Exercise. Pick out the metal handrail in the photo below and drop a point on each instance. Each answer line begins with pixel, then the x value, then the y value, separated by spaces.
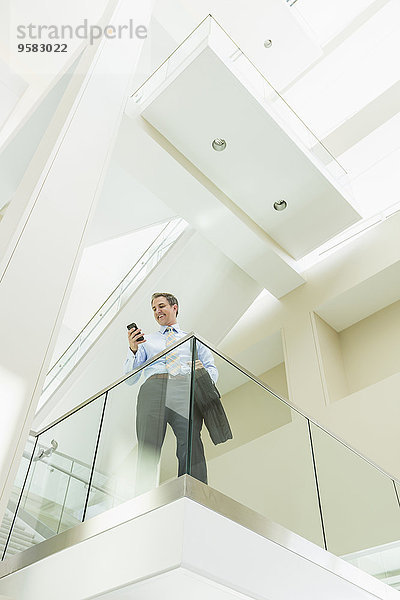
pixel 113 385
pixel 56 453
pixel 193 335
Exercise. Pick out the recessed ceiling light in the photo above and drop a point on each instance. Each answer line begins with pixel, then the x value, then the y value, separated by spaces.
pixel 280 205
pixel 218 144
pixel 267 43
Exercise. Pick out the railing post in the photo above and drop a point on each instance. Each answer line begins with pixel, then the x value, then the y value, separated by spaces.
pixel 191 407
pixel 65 496
pixel 317 485
pixel 94 458
pixel 396 492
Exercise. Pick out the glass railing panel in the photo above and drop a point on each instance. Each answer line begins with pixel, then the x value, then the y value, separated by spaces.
pixel 267 465
pixel 382 562
pixel 238 437
pixel 21 479
pixel 359 505
pixel 54 498
pixel 143 442
pixel 397 491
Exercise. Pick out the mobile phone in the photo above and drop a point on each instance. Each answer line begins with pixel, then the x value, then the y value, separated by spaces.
pixel 134 326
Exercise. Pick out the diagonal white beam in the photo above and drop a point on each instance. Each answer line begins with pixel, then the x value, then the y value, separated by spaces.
pixel 168 174
pixel 40 266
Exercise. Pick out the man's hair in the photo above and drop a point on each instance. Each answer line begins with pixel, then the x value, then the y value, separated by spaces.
pixel 170 298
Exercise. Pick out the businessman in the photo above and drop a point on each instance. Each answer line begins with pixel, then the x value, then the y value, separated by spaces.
pixel 164 396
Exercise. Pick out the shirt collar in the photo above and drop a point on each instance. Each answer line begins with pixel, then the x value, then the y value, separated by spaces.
pixel 175 328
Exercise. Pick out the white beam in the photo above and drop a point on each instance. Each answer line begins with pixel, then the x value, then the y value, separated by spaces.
pixel 167 173
pixel 36 277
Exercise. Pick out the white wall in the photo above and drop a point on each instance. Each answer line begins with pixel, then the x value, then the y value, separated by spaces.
pixel 370 348
pixel 273 475
pixel 360 371
pixel 325 369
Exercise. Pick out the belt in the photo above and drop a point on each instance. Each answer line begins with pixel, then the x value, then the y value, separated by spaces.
pixel 168 376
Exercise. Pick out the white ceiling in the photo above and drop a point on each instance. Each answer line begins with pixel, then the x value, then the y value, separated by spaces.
pixel 363 299
pixel 101 268
pixel 261 163
pixel 364 129
pixel 328 19
pixel 334 63
pixel 249 24
pixel 350 72
pixel 125 205
pixel 355 72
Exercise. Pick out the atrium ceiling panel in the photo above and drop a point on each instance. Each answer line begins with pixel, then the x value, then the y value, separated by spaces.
pixel 208 89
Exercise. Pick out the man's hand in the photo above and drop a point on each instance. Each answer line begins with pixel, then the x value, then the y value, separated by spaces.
pixel 197 365
pixel 133 335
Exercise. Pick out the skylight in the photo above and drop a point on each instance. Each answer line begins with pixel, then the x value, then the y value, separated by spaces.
pixel 352 75
pixel 327 19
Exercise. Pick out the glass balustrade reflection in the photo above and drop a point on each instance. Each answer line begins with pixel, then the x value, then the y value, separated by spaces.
pixel 267 465
pixel 252 447
pixel 21 479
pixel 53 498
pixel 359 505
pixel 143 442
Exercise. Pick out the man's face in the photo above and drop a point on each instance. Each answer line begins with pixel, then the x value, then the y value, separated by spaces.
pixel 164 313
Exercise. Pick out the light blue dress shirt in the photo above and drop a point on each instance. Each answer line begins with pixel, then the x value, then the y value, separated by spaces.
pixel 155 343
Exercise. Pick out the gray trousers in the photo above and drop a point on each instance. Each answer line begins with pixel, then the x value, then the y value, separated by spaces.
pixel 162 400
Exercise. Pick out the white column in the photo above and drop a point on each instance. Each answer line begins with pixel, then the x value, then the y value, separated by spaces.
pixel 306 382
pixel 39 267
